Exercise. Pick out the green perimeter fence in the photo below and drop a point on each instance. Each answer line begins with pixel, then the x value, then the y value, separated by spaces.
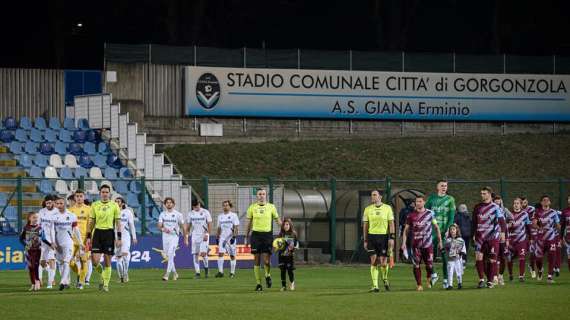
pixel 326 213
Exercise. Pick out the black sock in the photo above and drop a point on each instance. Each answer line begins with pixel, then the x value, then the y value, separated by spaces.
pixel 291 275
pixel 283 279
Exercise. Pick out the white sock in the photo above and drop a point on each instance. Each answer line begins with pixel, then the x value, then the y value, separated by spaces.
pixel 119 265
pixel 173 266
pixel 233 266
pixel 89 271
pixel 221 264
pixel 170 265
pixel 64 273
pixel 205 259
pixel 51 275
pixel 41 272
pixel 196 263
pixel 126 260
pixel 459 278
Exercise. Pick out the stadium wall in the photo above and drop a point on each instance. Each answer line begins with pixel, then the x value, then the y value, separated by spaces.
pixel 32 93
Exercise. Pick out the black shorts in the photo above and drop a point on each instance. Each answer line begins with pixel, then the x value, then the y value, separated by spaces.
pixel 286 262
pixel 261 242
pixel 377 245
pixel 103 241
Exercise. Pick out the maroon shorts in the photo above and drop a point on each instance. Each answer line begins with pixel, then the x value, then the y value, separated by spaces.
pixel 422 254
pixel 546 246
pixel 518 249
pixel 490 248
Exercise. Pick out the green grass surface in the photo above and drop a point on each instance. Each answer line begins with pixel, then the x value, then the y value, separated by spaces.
pixel 322 293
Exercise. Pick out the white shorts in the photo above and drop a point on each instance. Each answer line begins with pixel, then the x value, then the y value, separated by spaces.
pixel 47 253
pixel 226 247
pixel 169 245
pixel 200 246
pixel 64 254
pixel 125 245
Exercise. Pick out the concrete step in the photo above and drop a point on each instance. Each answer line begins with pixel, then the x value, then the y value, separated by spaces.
pixel 11 188
pixel 8 163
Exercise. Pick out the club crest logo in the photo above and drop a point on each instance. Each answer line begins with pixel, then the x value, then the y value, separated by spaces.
pixel 208 90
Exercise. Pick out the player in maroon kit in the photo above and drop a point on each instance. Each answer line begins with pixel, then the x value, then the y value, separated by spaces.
pixel 420 222
pixel 531 239
pixel 488 229
pixel 519 229
pixel 31 239
pixel 566 233
pixel 546 221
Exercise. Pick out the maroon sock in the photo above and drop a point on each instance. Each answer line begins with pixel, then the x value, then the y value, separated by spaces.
pixel 558 258
pixel 538 262
pixel 522 267
pixel 488 269
pixel 493 271
pixel 502 266
pixel 532 262
pixel 551 256
pixel 568 264
pixel 510 267
pixel 418 275
pixel 429 270
pixel 480 265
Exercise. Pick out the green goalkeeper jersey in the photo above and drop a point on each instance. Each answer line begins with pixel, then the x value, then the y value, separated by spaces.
pixel 444 209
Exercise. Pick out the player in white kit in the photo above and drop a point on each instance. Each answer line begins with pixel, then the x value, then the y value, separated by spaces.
pixel 123 253
pixel 228 223
pixel 201 222
pixel 65 227
pixel 171 223
pixel 47 258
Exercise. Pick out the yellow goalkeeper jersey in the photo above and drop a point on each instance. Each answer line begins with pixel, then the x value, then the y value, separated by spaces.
pixel 82 213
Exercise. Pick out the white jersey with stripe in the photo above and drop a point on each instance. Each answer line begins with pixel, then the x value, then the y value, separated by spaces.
pixel 199 220
pixel 227 223
pixel 63 225
pixel 171 220
pixel 46 222
pixel 128 223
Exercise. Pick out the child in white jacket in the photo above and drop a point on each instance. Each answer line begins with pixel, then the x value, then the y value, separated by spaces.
pixel 456 252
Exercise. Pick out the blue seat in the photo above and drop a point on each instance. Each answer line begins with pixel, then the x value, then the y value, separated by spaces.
pixel 121 187
pixel 93 136
pixel 81 172
pixel 11 214
pixel 133 200
pixel 46 186
pixel 80 136
pixel 65 135
pixel 26 161
pixel 50 135
pixel 65 173
pixel 135 187
pixel 41 160
pixel 31 148
pixel 90 148
pixel 75 149
pixel 103 148
pixel 10 123
pixel 114 161
pixel 110 173
pixel 46 148
pixel 124 172
pixel 3 199
pixel 26 123
pixel 40 123
pixel 21 135
pixel 85 162
pixel 6 136
pixel 36 135
pixel 100 161
pixel 54 123
pixel 16 147
pixel 69 123
pixel 83 124
pixel 36 172
pixel 60 148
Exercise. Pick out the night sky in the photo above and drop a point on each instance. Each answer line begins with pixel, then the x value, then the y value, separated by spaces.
pixel 46 33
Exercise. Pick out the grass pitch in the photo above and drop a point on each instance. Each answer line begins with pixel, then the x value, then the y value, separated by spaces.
pixel 322 293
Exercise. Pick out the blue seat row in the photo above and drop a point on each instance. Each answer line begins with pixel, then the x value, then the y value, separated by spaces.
pixel 11 123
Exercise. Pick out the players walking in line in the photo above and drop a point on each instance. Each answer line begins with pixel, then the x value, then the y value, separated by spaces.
pixel 105 218
pixel 504 253
pixel 456 252
pixel 420 222
pixel 519 229
pixel 66 234
pixel 228 224
pixel 171 223
pixel 200 221
pixel 123 253
pixel 286 251
pixel 488 228
pixel 261 215
pixel 566 232
pixel 546 221
pixel 379 235
pixel 443 205
pixel 47 258
pixel 31 239
pixel 81 212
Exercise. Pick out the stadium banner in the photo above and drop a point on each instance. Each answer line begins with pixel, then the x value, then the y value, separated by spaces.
pixel 147 253
pixel 291 93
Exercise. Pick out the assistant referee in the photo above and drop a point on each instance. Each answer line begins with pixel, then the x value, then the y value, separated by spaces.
pixel 378 219
pixel 104 220
pixel 260 217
